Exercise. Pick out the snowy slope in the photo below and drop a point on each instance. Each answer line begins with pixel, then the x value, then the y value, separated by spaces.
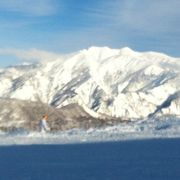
pixel 106 82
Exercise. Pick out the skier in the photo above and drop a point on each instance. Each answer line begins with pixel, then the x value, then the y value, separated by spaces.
pixel 43 125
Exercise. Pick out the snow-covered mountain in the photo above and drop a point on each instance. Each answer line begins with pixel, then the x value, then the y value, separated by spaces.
pixel 107 83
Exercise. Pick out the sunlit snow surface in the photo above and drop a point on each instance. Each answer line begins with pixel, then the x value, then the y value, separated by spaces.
pixel 168 127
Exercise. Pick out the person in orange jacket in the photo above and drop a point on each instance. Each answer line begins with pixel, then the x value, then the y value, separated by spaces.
pixel 43 125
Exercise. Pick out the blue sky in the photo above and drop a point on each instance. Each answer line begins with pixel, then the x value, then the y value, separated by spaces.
pixel 36 29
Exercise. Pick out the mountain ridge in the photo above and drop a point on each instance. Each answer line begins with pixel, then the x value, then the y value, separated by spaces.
pixel 117 83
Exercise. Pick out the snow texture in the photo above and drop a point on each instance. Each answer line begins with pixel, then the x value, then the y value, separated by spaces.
pixel 119 83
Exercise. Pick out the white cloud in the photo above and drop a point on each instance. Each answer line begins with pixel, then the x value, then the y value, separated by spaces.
pixel 30 55
pixel 30 7
pixel 152 16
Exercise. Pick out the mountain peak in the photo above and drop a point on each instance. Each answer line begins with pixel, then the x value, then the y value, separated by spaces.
pixel 127 51
pixel 107 50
